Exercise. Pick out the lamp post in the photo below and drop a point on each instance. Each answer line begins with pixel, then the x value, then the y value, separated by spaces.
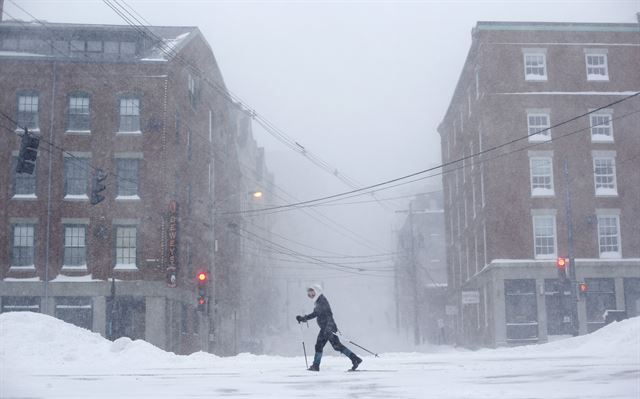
pixel 227 265
pixel 414 273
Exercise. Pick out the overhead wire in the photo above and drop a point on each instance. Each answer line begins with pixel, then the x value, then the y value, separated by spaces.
pixel 290 252
pixel 400 181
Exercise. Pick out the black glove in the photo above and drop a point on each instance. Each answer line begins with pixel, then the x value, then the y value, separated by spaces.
pixel 301 319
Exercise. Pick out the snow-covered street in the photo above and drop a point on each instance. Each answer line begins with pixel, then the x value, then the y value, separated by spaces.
pixel 42 357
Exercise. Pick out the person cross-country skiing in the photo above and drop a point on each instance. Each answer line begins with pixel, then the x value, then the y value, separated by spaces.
pixel 328 328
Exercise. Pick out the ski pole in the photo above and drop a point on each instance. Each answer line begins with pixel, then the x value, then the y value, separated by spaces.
pixel 353 343
pixel 304 349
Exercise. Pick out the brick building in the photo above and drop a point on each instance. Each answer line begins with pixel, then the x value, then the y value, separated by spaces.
pixel 151 110
pixel 421 269
pixel 506 200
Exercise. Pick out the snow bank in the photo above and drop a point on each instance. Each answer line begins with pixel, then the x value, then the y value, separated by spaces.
pixel 618 338
pixel 25 336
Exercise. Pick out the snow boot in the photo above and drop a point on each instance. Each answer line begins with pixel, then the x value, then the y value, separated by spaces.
pixel 316 362
pixel 355 360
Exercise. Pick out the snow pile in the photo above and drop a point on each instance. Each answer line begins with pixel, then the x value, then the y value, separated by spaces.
pixel 616 339
pixel 25 336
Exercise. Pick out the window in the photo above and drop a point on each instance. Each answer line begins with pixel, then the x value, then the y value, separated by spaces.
pixel 193 90
pixel 127 48
pixel 538 126
pixel 600 298
pixel 24 184
pixel 601 127
pixel 75 249
pixel 544 235
pixel 111 49
pixel 126 247
pixel 23 243
pixel 128 180
pixel 28 111
pixel 20 304
pixel 541 176
pixel 79 116
pixel 75 310
pixel 596 65
pixel 521 310
pixel 604 174
pixel 76 175
pixel 189 145
pixel 608 235
pixel 77 47
pixel 553 302
pixel 535 66
pixel 210 125
pixel 129 114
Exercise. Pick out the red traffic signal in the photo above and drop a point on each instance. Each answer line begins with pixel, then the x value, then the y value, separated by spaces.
pixel 201 278
pixel 561 265
pixel 583 288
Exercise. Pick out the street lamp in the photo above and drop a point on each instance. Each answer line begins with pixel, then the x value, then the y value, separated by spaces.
pixel 228 264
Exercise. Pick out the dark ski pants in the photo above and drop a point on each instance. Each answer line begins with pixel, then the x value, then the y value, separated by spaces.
pixel 328 335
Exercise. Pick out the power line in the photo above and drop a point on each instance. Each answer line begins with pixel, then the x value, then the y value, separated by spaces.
pixel 444 165
pixel 287 251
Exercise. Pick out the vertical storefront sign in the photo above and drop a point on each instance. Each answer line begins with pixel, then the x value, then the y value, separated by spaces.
pixel 172 245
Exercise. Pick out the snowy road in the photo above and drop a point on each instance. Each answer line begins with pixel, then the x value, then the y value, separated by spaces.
pixel 68 362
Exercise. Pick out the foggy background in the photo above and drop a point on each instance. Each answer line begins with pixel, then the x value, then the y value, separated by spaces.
pixel 363 85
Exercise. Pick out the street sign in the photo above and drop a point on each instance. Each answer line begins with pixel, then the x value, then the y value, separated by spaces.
pixel 470 297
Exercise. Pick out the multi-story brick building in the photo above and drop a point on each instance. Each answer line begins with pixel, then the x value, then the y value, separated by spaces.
pixel 151 110
pixel 533 98
pixel 421 266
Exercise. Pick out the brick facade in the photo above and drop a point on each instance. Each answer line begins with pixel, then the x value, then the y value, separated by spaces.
pixel 185 122
pixel 490 203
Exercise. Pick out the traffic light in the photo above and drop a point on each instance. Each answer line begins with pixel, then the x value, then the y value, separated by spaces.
pixel 28 153
pixel 561 265
pixel 98 186
pixel 201 280
pixel 583 288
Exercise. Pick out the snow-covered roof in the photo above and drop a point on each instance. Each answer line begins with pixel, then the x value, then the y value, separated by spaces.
pixel 557 26
pixel 93 43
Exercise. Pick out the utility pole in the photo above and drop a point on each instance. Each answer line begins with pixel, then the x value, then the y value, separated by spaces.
pixel 416 327
pixel 573 303
pixel 414 276
pixel 396 288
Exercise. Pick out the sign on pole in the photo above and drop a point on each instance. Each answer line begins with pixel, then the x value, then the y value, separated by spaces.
pixel 470 297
